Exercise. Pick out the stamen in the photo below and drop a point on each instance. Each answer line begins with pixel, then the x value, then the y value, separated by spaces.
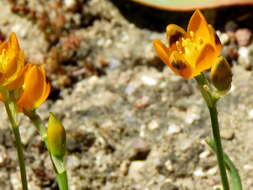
pixel 191 34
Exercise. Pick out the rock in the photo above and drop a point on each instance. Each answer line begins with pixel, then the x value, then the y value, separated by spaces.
pixel 174 129
pixel 15 181
pixel 204 154
pixel 224 38
pixel 73 162
pixel 70 5
pixel 199 172
pixel 135 170
pixel 243 36
pixel 141 149
pixel 147 80
pixel 169 186
pixel 4 159
pixel 153 125
pixel 227 134
pixel 250 114
pixel 169 166
pixel 212 171
pixel 142 102
pixel 243 57
pixel 124 167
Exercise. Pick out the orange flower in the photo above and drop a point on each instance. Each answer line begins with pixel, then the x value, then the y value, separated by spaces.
pixel 190 52
pixel 12 62
pixel 35 88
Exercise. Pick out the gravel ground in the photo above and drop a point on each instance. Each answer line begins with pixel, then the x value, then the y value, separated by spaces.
pixel 131 123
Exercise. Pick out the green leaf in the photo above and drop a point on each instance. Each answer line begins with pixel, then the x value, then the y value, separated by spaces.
pixel 233 173
pixel 59 164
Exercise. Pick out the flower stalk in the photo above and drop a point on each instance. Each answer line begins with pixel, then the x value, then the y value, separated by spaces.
pixel 11 112
pixel 211 104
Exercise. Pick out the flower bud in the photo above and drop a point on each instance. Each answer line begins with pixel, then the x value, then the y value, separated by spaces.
pixel 221 74
pixel 56 136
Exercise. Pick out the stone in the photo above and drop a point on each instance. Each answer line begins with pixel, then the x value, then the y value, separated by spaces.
pixel 141 149
pixel 243 36
pixel 135 170
pixel 227 134
pixel 169 186
pixel 173 129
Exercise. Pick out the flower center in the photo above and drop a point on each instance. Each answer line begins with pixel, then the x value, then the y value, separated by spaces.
pixel 190 47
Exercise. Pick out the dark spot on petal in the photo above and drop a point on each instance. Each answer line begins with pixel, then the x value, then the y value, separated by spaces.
pixel 217 40
pixel 179 65
pixel 175 37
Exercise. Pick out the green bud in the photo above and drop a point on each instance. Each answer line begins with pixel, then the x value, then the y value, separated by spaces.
pixel 56 136
pixel 221 74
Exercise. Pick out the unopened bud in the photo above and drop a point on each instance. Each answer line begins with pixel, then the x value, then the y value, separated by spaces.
pixel 221 74
pixel 56 137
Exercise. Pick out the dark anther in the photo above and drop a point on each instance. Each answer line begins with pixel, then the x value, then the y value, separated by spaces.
pixel 179 65
pixel 217 40
pixel 175 37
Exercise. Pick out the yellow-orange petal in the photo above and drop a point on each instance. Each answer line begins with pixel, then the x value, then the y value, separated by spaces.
pixel 12 62
pixel 199 26
pixel 215 40
pixel 14 78
pixel 205 60
pixel 162 51
pixel 45 92
pixel 35 88
pixel 174 33
pixel 179 65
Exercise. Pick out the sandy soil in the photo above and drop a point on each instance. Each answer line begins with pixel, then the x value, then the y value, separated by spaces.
pixel 131 123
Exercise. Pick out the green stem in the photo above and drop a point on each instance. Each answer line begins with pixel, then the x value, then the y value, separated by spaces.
pixel 211 103
pixel 62 181
pixel 61 177
pixel 11 112
pixel 217 140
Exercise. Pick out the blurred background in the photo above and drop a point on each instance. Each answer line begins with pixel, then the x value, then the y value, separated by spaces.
pixel 131 123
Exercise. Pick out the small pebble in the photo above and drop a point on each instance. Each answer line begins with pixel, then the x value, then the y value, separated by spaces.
pixel 124 167
pixel 153 125
pixel 70 4
pixel 169 186
pixel 212 171
pixel 185 144
pixel 243 57
pixel 142 102
pixel 224 38
pixel 199 172
pixel 4 159
pixel 227 134
pixel 243 36
pixel 141 149
pixel 204 154
pixel 217 187
pixel 135 170
pixel 73 162
pixel 248 167
pixel 148 80
pixel 168 165
pixel 250 114
pixel 173 129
